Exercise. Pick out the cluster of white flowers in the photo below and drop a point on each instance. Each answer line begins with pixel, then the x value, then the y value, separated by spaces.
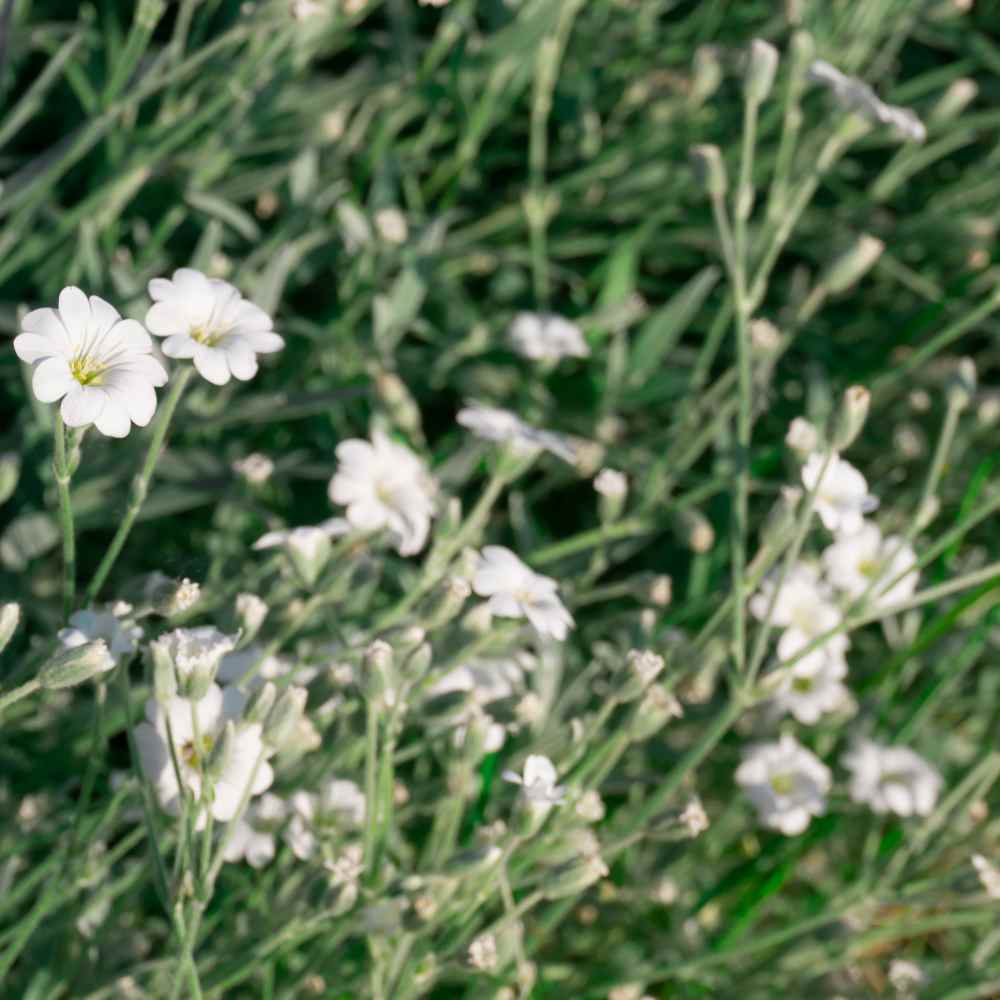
pixel 547 337
pixel 103 367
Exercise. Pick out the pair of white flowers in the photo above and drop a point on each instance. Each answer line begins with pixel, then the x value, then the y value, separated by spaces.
pixel 788 784
pixel 103 367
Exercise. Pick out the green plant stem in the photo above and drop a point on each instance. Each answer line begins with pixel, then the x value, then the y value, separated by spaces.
pixel 140 485
pixel 61 469
pixel 16 694
pixel 371 781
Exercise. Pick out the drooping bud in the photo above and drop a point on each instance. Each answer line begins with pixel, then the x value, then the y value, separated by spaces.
pixel 283 719
pixel 762 64
pixel 851 416
pixel 75 665
pixel 612 488
pixel 709 168
pixel 10 615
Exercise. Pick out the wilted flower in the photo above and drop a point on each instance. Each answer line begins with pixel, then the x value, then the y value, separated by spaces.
pixel 494 424
pixel 547 337
pixel 385 485
pixel 516 591
pixel 538 781
pixel 841 498
pixel 339 807
pixel 99 364
pixel 109 624
pixel 786 783
pixel 252 836
pixel 208 320
pixel 892 779
pixel 856 562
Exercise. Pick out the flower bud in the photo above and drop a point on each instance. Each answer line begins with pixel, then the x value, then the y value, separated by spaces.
pixel 308 549
pixel 709 168
pixel 260 703
pixel 660 590
pixel 221 755
pixel 378 676
pixel 612 488
pixel 802 438
pixel 401 406
pixel 250 613
pixel 780 520
pixel 962 386
pixel 959 95
pixel 10 471
pixel 643 666
pixel 851 265
pixel 657 708
pixel 451 595
pixel 694 530
pixel 75 665
pixel 851 416
pixel 571 879
pixel 164 676
pixel 283 719
pixel 762 64
pixel 169 597
pixel 10 615
pixel 475 861
pixel 417 664
pixel 706 73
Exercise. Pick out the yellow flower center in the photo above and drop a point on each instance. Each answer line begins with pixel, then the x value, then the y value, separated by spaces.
pixel 86 370
pixel 206 335
pixel 802 685
pixel 868 567
pixel 193 756
pixel 783 784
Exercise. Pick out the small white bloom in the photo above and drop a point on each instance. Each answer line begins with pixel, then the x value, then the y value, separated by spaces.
pixel 989 875
pixel 906 977
pixel 802 437
pixel 196 728
pixel 255 468
pixel 252 836
pixel 208 320
pixel 339 807
pixel 786 783
pixel 348 867
pixel 122 637
pixel 483 953
pixel 855 562
pixel 251 612
pixel 810 687
pixel 391 225
pixel 547 337
pixel 694 817
pixel 302 10
pixel 516 591
pixel 538 781
pixel 590 807
pixel 195 650
pixel 100 365
pixel 892 779
pixel 385 485
pixel 494 424
pixel 611 484
pixel 842 498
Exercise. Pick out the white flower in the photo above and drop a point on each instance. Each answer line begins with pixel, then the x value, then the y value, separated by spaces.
pixel 196 728
pixel 611 484
pixel 842 498
pixel 339 807
pixel 906 977
pixel 516 591
pixel 802 437
pixel 494 424
pixel 99 364
pixel 853 95
pixel 391 225
pixel 538 781
pixel 208 320
pixel 195 650
pixel 989 875
pixel 91 623
pixel 694 817
pixel 547 337
pixel 892 779
pixel 308 546
pixel 786 783
pixel 385 485
pixel 855 562
pixel 811 686
pixel 252 837
pixel 255 468
pixel 483 953
pixel 348 867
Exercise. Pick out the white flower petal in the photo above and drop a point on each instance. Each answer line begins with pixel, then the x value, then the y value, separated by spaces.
pixel 82 405
pixel 211 364
pixel 52 379
pixel 113 420
pixel 74 310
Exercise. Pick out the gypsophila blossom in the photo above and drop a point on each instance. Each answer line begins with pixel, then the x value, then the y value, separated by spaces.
pixel 645 665
pixel 810 687
pixel 100 365
pixel 252 837
pixel 853 95
pixel 538 781
pixel 547 337
pixel 786 783
pixel 339 807
pixel 109 623
pixel 855 563
pixel 892 779
pixel 841 498
pixel 195 650
pixel 385 485
pixel 255 468
pixel 611 483
pixel 906 977
pixel 989 875
pixel 516 591
pixel 494 424
pixel 208 320
pixel 694 817
pixel 196 727
pixel 347 867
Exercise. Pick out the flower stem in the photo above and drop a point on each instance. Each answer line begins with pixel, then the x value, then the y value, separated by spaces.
pixel 63 475
pixel 140 485
pixel 16 694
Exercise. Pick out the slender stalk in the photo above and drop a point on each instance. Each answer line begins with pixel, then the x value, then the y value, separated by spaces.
pixel 371 779
pixel 16 694
pixel 61 469
pixel 140 485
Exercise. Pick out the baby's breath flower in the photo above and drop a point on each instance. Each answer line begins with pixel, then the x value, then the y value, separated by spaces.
pixel 339 807
pixel 811 686
pixel 538 781
pixel 208 320
pixel 855 562
pixel 786 783
pixel 100 365
pixel 121 635
pixel 802 437
pixel 612 484
pixel 255 468
pixel 385 485
pixel 391 225
pixel 516 591
pixel 590 807
pixel 547 337
pixel 347 867
pixel 694 818
pixel 195 654
pixel 892 779
pixel 250 612
pixel 251 837
pixel 841 496
pixel 906 977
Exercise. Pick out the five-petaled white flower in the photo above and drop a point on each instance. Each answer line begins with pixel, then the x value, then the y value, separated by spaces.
pixel 107 623
pixel 547 337
pixel 811 686
pixel 516 591
pixel 865 559
pixel 97 363
pixel 892 779
pixel 495 424
pixel 385 485
pixel 252 836
pixel 841 497
pixel 538 781
pixel 786 783
pixel 196 727
pixel 208 320
pixel 339 807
